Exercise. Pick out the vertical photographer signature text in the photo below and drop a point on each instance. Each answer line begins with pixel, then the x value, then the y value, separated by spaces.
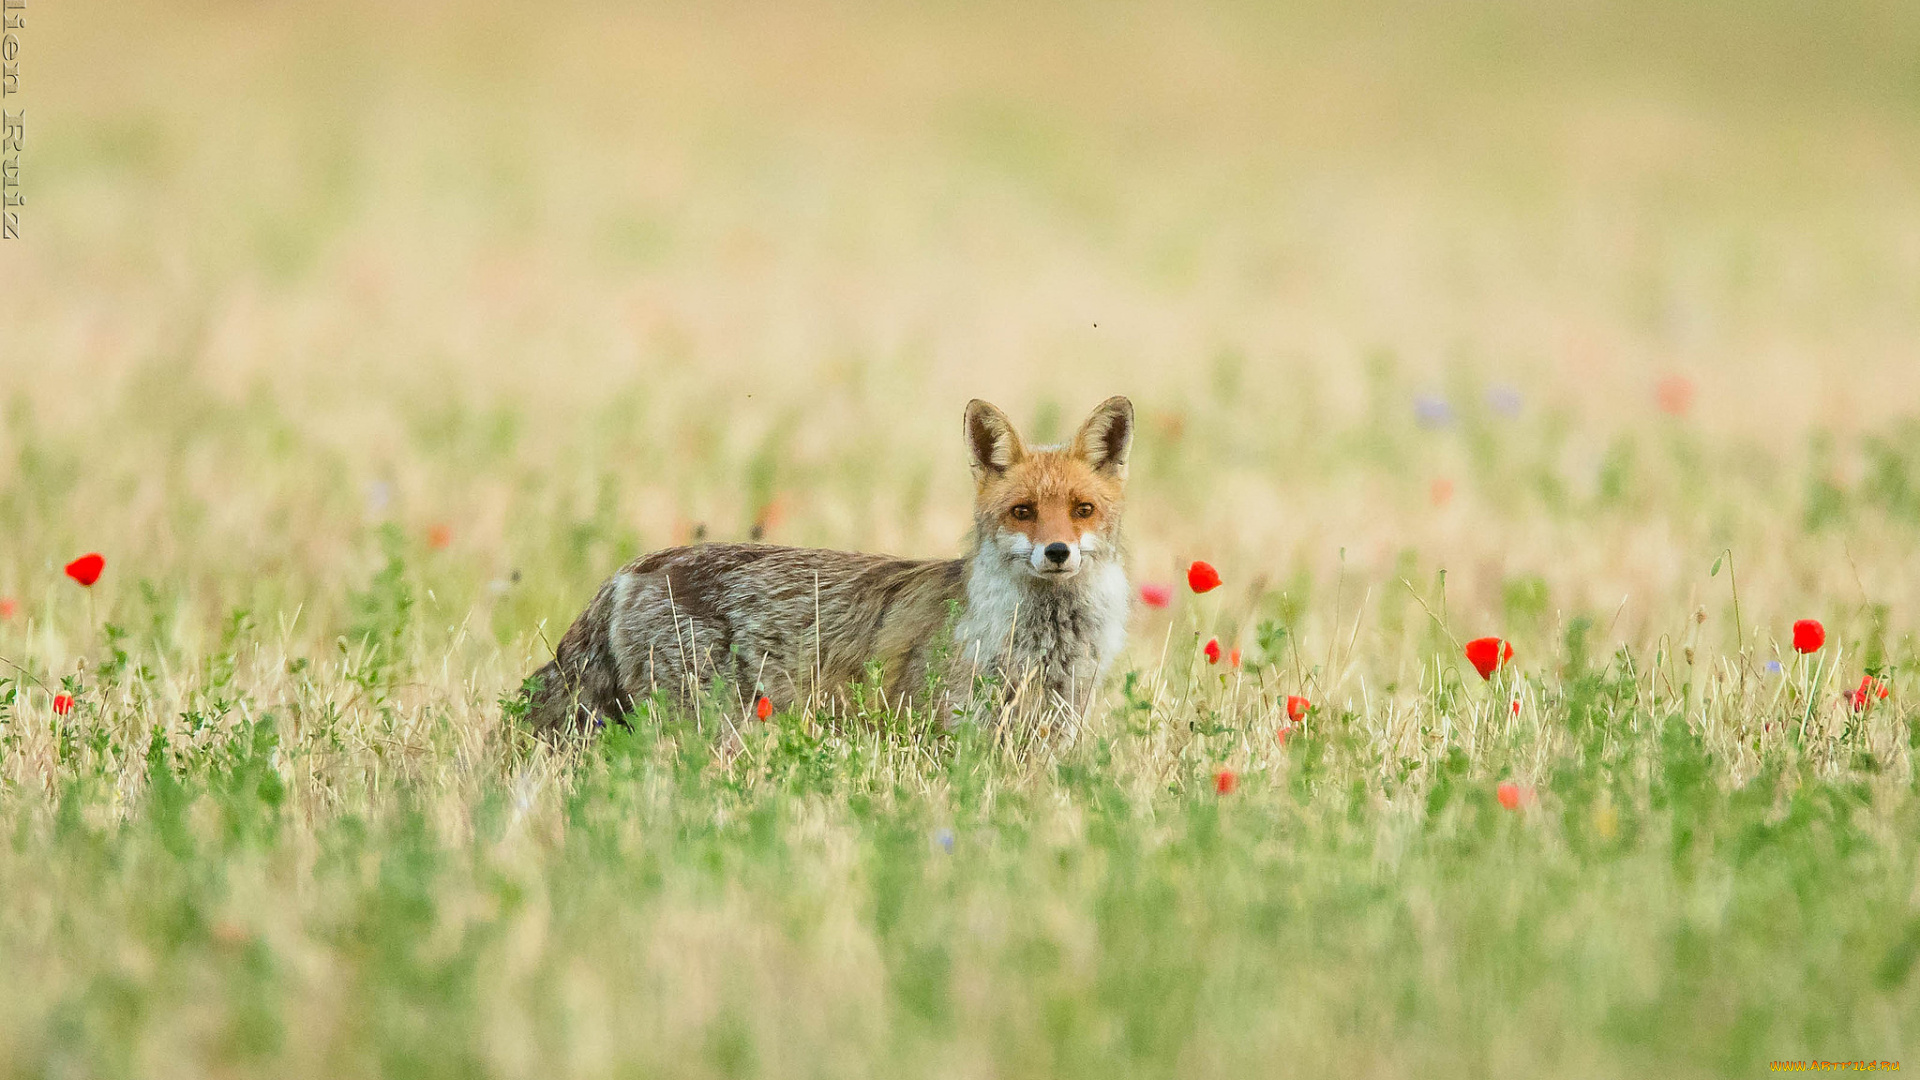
pixel 13 121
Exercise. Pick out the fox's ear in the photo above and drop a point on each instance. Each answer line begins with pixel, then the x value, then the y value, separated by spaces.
pixel 1106 438
pixel 992 444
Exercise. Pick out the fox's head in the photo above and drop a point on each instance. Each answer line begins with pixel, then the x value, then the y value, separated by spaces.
pixel 1050 509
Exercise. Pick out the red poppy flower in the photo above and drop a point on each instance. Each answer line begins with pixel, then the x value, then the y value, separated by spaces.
pixel 1225 781
pixel 1809 636
pixel 1870 691
pixel 763 708
pixel 1516 706
pixel 1233 657
pixel 1297 708
pixel 7 607
pixel 1675 394
pixel 1154 595
pixel 1202 577
pixel 1212 650
pixel 86 569
pixel 1488 654
pixel 439 536
pixel 1287 731
pixel 63 703
pixel 1513 796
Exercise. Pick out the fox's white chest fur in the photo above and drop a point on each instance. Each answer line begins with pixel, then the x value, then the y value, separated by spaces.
pixel 1049 642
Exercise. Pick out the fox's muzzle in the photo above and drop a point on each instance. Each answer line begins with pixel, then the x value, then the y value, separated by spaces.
pixel 1059 559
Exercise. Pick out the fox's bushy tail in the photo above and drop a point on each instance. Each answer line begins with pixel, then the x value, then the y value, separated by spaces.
pixel 578 691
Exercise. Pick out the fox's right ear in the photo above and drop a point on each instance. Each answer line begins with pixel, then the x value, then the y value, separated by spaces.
pixel 992 444
pixel 1106 438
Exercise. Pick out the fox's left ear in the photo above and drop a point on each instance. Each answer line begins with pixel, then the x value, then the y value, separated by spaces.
pixel 991 441
pixel 1105 439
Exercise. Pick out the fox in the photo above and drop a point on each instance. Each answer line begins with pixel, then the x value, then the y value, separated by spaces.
pixel 1037 605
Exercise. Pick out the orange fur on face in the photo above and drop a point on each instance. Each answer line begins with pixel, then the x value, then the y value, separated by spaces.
pixel 1052 507
pixel 1050 496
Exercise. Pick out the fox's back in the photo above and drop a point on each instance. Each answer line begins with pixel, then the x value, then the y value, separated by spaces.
pixel 784 622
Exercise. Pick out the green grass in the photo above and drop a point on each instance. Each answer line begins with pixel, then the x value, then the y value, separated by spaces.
pixel 272 849
pixel 853 904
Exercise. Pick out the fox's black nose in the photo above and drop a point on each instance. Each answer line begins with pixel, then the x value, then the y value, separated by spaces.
pixel 1057 553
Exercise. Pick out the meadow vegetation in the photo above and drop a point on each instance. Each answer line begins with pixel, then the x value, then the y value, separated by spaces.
pixel 364 341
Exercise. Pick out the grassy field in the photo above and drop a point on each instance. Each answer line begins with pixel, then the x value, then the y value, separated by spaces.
pixel 364 340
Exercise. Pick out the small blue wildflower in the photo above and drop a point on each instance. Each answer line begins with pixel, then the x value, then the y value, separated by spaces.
pixel 1432 412
pixel 944 838
pixel 1774 668
pixel 1504 400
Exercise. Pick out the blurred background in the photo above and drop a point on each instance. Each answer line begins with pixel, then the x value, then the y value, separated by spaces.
pixel 1581 291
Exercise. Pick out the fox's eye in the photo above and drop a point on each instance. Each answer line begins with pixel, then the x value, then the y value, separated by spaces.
pixel 1084 510
pixel 1022 512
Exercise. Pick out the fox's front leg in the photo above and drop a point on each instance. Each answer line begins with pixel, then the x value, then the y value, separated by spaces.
pixel 985 699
